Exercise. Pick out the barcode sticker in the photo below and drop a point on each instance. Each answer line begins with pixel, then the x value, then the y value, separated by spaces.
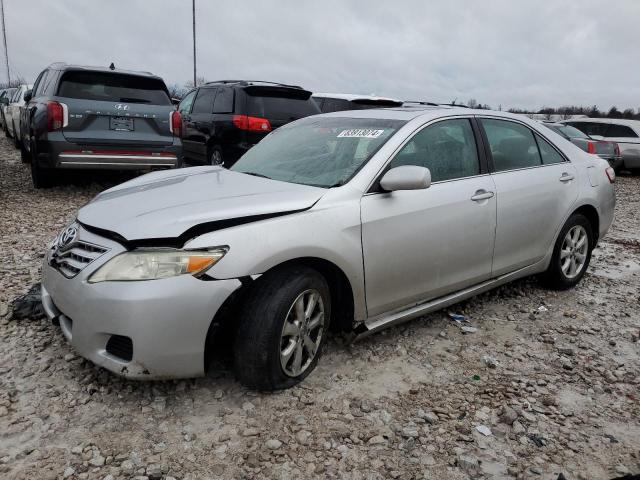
pixel 360 133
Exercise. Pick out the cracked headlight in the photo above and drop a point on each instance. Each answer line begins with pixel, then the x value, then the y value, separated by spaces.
pixel 155 264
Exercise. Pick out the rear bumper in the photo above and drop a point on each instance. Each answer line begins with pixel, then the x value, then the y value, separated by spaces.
pixel 120 162
pixel 57 152
pixel 615 161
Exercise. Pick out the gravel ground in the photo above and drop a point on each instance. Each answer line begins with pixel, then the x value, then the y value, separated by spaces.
pixel 547 385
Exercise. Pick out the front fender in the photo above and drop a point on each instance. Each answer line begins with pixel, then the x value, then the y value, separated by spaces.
pixel 329 232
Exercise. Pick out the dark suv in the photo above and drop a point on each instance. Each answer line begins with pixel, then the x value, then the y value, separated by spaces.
pixel 105 118
pixel 224 119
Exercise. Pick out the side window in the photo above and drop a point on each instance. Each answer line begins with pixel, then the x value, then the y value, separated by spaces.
pixel 620 131
pixel 185 104
pixel 319 101
pixel 549 154
pixel 49 82
pixel 447 149
pixel 224 101
pixel 512 145
pixel 204 101
pixel 37 86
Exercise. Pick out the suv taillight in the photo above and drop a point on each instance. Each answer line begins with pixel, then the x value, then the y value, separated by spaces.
pixel 255 124
pixel 611 174
pixel 55 116
pixel 176 123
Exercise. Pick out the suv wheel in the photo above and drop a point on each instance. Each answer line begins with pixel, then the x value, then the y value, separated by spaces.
pixel 571 254
pixel 215 157
pixel 282 329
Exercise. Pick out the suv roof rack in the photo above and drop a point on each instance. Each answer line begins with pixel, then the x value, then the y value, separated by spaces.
pixel 254 82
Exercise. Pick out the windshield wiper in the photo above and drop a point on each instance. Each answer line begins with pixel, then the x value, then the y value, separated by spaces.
pixel 257 175
pixel 134 100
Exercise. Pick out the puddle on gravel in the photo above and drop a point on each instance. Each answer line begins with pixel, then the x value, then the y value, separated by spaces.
pixel 618 271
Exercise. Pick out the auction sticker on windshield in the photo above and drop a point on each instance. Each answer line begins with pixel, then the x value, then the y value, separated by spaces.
pixel 360 133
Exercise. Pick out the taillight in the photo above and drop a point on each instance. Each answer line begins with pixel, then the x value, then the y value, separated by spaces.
pixel 176 123
pixel 55 116
pixel 591 147
pixel 611 174
pixel 255 124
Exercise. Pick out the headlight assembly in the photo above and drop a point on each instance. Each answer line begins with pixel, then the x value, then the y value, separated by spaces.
pixel 155 264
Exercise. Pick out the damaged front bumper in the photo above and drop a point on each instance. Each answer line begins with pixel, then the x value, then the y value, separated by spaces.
pixel 153 329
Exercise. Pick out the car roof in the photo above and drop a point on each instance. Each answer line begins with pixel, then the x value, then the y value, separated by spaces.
pixel 69 67
pixel 251 83
pixel 427 112
pixel 352 96
pixel 615 121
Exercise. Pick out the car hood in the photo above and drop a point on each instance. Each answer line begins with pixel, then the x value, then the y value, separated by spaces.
pixel 173 203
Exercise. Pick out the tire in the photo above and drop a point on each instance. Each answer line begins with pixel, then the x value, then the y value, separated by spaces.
pixel 265 352
pixel 215 156
pixel 25 156
pixel 563 273
pixel 40 176
pixel 16 140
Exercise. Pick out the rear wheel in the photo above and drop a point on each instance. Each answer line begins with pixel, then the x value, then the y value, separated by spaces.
pixel 40 176
pixel 215 156
pixel 282 329
pixel 571 254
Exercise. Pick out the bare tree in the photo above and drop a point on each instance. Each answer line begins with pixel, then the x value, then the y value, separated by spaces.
pixel 15 82
pixel 472 103
pixel 199 81
pixel 176 91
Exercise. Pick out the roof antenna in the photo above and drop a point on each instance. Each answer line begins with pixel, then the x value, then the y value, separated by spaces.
pixel 112 66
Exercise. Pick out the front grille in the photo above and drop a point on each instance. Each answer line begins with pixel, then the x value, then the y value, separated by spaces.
pixel 75 258
pixel 121 347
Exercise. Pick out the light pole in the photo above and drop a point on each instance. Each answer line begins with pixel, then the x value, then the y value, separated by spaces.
pixel 4 38
pixel 193 5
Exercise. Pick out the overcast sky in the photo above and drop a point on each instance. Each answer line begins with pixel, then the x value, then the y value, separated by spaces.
pixel 524 53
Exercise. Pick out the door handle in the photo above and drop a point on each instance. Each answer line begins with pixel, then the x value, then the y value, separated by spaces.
pixel 566 177
pixel 482 195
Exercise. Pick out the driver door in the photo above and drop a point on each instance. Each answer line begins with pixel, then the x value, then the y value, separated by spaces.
pixel 422 244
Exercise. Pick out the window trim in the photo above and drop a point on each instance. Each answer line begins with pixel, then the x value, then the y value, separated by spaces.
pixel 492 169
pixel 373 187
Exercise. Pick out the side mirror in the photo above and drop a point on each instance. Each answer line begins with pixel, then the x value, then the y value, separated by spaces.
pixel 28 95
pixel 407 177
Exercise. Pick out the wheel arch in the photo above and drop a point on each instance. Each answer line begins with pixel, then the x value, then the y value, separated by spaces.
pixel 222 327
pixel 592 215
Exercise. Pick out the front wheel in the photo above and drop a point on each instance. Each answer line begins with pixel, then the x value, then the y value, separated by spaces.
pixel 282 329
pixel 215 157
pixel 571 254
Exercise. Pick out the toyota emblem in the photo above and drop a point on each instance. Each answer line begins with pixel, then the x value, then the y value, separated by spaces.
pixel 67 237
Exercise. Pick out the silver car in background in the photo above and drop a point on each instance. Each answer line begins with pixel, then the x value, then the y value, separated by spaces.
pixel 12 113
pixel 626 133
pixel 351 220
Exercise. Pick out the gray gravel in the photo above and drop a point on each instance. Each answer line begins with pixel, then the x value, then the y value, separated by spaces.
pixel 557 387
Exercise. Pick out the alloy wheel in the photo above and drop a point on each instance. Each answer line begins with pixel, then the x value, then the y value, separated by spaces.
pixel 573 254
pixel 216 158
pixel 302 333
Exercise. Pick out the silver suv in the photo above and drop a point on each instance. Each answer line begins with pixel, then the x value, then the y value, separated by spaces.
pixel 355 220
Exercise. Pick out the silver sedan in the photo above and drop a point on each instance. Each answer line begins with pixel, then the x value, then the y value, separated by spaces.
pixel 351 221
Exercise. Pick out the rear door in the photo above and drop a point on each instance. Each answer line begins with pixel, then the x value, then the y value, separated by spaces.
pixel 279 105
pixel 106 108
pixel 535 186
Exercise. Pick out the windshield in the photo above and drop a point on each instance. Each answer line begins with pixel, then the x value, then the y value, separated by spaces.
pixel 323 152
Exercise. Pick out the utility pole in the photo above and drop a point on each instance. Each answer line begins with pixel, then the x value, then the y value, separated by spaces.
pixel 193 5
pixel 4 38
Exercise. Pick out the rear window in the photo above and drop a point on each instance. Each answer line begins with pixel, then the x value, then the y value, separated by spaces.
pixel 620 131
pixel 113 87
pixel 282 104
pixel 590 128
pixel 572 132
